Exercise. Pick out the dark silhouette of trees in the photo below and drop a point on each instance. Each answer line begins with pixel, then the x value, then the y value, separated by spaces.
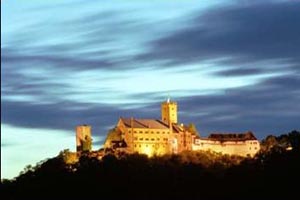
pixel 189 175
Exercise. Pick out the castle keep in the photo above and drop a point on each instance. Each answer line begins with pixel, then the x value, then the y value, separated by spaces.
pixel 166 135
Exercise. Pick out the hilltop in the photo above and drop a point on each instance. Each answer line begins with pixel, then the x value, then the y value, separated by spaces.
pixel 273 172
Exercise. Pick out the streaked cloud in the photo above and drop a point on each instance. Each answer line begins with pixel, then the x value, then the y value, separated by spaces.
pixel 232 66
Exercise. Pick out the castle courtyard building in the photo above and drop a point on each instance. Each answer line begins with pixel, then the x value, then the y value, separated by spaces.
pixel 167 136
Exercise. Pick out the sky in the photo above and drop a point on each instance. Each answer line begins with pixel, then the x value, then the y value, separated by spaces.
pixel 232 66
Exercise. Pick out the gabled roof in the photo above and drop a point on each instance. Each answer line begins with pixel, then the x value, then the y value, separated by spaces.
pixel 232 136
pixel 144 123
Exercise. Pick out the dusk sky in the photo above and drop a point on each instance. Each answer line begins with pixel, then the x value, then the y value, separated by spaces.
pixel 232 66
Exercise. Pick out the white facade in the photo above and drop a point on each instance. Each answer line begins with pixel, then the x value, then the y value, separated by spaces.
pixel 241 148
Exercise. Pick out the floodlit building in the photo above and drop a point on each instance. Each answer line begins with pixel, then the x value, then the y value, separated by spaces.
pixel 154 136
pixel 166 135
pixel 242 144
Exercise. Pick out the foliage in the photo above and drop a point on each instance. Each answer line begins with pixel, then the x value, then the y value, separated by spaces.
pixel 282 142
pixel 113 135
pixel 189 175
pixel 87 144
pixel 192 129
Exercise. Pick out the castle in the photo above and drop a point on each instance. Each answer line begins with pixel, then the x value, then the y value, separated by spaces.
pixel 166 135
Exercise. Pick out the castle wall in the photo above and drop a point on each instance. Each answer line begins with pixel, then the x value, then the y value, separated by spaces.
pixel 242 148
pixel 148 141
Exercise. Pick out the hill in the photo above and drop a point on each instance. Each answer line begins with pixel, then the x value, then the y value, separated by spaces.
pixel 274 172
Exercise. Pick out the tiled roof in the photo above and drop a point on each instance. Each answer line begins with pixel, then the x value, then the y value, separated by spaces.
pixel 232 136
pixel 144 123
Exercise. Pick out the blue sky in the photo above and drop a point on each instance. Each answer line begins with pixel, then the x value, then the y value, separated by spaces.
pixel 232 66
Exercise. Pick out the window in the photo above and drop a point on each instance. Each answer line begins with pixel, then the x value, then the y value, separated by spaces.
pixel 147 139
pixel 146 131
pixel 134 131
pixel 129 131
pixel 157 139
pixel 152 132
pixel 163 132
pixel 141 139
pixel 141 131
pixel 135 138
pixel 157 132
pixel 152 139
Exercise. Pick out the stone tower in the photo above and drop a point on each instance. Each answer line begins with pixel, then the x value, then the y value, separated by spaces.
pixel 83 138
pixel 169 112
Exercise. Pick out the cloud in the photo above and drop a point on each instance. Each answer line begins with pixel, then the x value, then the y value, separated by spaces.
pixel 269 107
pixel 239 72
pixel 99 65
pixel 234 35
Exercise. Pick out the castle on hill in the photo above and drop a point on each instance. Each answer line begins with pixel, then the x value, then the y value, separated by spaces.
pixel 167 136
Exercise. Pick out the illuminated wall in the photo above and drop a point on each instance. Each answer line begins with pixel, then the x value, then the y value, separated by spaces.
pixel 148 141
pixel 242 148
pixel 83 136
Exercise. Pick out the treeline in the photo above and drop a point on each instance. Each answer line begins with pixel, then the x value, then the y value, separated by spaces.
pixel 273 173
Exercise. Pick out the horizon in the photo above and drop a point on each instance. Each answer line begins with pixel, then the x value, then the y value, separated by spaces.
pixel 230 66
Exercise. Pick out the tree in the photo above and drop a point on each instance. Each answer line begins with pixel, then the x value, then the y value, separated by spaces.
pixel 114 134
pixel 192 128
pixel 87 144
